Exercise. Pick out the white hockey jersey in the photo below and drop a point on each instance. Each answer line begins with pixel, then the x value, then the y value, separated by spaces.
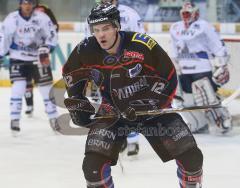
pixel 22 38
pixel 192 47
pixel 129 19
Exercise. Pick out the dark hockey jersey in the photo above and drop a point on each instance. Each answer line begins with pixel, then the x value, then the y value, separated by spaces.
pixel 140 71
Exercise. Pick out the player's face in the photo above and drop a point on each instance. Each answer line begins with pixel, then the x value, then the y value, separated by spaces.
pixel 105 34
pixel 26 8
pixel 186 16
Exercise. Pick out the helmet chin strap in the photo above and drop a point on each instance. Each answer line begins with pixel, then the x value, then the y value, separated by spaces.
pixel 115 41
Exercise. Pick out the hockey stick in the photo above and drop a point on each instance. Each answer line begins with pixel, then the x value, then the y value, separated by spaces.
pixel 229 99
pixel 164 111
pixel 225 102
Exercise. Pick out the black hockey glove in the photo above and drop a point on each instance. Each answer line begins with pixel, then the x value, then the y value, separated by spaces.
pixel 80 111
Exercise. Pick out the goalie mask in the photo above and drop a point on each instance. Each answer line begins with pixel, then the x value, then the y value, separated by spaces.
pixel 104 13
pixel 187 13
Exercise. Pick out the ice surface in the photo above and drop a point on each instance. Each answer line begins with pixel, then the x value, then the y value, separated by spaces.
pixel 38 158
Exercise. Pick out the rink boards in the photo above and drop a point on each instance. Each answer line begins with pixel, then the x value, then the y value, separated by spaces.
pixel 68 40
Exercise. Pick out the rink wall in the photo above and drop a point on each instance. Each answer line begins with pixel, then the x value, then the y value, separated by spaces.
pixel 68 40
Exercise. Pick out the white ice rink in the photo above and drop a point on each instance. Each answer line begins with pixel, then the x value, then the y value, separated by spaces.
pixel 38 158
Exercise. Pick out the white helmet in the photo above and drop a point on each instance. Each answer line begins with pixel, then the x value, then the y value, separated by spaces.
pixel 187 13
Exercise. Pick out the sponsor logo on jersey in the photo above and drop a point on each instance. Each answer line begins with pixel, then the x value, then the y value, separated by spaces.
pixel 35 22
pixel 144 39
pixel 133 72
pixel 28 29
pixel 188 32
pixel 180 135
pixel 189 67
pixel 128 91
pixel 103 133
pixel 196 26
pixel 133 55
pixel 187 56
pixel 98 143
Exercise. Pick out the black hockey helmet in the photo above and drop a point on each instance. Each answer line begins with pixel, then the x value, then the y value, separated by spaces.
pixel 104 12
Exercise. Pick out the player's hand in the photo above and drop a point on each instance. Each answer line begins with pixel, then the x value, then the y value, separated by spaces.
pixel 43 55
pixel 106 109
pixel 80 111
pixel 221 75
pixel 220 70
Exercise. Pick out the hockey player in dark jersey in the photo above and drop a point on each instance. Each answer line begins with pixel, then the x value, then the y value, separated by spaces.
pixel 134 74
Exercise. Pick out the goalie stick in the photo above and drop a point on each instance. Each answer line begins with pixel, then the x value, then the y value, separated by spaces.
pixel 229 99
pixel 225 102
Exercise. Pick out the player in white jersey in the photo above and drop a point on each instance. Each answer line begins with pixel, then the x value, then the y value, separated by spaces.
pixel 130 21
pixel 194 43
pixel 29 89
pixel 28 37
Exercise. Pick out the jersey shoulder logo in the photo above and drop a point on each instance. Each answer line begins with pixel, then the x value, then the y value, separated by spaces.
pixel 144 39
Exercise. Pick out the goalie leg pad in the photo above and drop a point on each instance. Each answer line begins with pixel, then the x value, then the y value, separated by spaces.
pixel 203 92
pixel 221 118
pixel 196 120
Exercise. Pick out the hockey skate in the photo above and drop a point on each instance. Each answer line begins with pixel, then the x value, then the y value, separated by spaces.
pixel 15 127
pixel 225 126
pixel 54 124
pixel 29 111
pixel 222 119
pixel 133 149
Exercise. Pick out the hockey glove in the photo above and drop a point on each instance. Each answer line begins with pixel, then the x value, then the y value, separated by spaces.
pixel 220 71
pixel 43 55
pixel 106 109
pixel 80 111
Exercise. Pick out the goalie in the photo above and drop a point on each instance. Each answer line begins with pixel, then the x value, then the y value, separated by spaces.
pixel 194 43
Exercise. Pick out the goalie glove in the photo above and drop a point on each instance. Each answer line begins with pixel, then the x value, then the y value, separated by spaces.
pixel 43 55
pixel 220 71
